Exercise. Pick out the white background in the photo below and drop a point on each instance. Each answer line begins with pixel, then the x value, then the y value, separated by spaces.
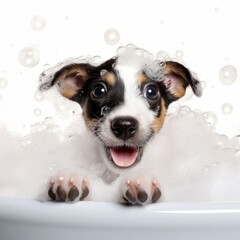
pixel 205 32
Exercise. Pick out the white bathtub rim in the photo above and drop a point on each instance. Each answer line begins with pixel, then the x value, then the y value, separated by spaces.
pixel 105 215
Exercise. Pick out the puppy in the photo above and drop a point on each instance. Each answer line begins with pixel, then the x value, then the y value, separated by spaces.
pixel 124 103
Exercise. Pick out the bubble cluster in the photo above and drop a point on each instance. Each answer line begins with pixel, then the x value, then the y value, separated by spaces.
pixel 29 57
pixel 111 36
pixel 227 108
pixel 227 74
pixel 3 82
pixel 38 23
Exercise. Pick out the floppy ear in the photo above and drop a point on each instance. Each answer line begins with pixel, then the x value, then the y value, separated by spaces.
pixel 70 79
pixel 177 78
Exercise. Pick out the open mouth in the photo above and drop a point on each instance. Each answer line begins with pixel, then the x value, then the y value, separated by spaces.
pixel 124 156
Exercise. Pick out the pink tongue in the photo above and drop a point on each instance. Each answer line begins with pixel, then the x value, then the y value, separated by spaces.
pixel 124 157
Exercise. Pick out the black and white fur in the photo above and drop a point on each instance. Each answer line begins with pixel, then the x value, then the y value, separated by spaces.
pixel 124 103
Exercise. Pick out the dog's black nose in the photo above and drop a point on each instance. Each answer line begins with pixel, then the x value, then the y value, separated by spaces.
pixel 124 127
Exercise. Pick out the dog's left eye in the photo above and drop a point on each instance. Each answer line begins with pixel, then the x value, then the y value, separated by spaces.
pixel 99 91
pixel 151 92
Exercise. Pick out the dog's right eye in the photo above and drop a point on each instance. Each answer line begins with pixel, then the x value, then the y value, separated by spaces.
pixel 99 91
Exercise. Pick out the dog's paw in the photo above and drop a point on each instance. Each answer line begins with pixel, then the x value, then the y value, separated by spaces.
pixel 68 189
pixel 140 192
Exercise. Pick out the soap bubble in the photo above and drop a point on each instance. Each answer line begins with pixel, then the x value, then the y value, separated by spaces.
pixel 162 55
pixel 179 54
pixel 227 74
pixel 3 82
pixel 188 94
pixel 37 127
pixel 29 57
pixel 38 23
pixel 48 121
pixel 216 163
pixel 96 60
pixel 111 36
pixel 227 108
pixel 121 50
pixel 52 166
pixel 46 66
pixel 26 140
pixel 55 129
pixel 184 110
pixel 227 59
pixel 237 155
pixel 221 140
pixel 211 118
pixel 206 168
pixel 37 112
pixel 38 96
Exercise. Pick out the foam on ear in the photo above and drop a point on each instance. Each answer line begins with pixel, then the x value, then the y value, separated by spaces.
pixel 177 78
pixel 69 79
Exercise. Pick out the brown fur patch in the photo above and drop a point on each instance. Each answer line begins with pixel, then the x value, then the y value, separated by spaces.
pixel 109 78
pixel 71 80
pixel 176 73
pixel 90 123
pixel 176 88
pixel 141 78
pixel 158 122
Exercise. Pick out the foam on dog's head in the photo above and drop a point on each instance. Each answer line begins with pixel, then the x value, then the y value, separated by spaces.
pixel 141 60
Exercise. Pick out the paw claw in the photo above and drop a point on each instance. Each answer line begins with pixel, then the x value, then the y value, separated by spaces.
pixel 130 196
pixel 85 192
pixel 156 195
pixel 67 189
pixel 142 196
pixel 73 193
pixel 51 193
pixel 140 191
pixel 61 193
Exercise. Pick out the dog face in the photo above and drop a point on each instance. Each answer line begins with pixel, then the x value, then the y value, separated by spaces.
pixel 124 102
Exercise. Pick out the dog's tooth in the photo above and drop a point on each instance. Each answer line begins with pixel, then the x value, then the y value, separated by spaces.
pixel 61 193
pixel 142 196
pixel 156 195
pixel 73 193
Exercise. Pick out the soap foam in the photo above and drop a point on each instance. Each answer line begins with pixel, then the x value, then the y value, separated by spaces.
pixel 190 160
